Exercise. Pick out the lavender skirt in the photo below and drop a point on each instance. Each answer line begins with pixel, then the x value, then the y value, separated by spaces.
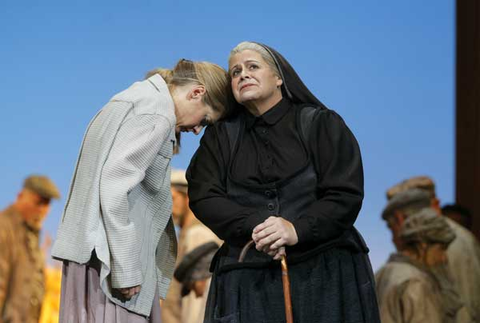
pixel 82 299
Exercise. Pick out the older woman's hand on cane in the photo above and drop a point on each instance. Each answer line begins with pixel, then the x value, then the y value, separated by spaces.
pixel 272 235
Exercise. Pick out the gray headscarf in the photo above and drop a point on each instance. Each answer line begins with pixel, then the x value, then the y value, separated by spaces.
pixel 427 226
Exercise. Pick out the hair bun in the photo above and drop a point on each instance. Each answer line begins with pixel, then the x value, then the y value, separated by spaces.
pixel 165 73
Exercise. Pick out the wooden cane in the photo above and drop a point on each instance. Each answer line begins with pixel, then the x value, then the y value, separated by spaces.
pixel 287 297
pixel 243 253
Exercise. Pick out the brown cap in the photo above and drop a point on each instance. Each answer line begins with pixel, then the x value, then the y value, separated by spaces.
pixel 408 202
pixel 195 265
pixel 42 185
pixel 427 226
pixel 422 182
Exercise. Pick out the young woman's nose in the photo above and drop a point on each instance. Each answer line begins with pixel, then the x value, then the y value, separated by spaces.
pixel 197 129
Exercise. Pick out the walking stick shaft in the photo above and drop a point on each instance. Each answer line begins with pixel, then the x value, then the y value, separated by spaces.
pixel 286 291
pixel 287 297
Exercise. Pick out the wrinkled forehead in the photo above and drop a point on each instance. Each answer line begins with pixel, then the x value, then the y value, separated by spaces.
pixel 245 56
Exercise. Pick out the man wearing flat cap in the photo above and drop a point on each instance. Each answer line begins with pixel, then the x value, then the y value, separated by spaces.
pixel 400 207
pixel 463 252
pixel 21 260
pixel 415 284
pixel 193 272
pixel 175 308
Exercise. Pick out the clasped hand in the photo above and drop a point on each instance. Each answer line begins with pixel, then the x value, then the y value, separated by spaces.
pixel 130 291
pixel 272 235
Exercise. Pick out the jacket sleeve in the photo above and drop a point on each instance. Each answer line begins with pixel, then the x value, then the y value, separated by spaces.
pixel 418 303
pixel 134 149
pixel 338 164
pixel 206 176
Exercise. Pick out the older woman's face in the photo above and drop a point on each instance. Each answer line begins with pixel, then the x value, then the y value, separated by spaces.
pixel 253 81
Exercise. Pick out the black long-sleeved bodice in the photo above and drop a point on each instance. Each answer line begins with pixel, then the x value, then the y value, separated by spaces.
pixel 270 149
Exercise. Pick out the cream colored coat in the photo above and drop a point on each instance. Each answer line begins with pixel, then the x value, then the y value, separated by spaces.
pixel 464 263
pixel 407 294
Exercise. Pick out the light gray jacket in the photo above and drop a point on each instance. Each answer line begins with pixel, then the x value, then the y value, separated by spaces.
pixel 120 202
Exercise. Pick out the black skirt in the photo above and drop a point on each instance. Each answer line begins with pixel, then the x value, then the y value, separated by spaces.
pixel 332 286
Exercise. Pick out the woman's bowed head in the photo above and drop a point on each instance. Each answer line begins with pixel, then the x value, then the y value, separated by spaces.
pixel 200 93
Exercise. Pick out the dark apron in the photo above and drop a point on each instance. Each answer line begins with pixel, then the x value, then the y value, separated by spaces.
pixel 331 282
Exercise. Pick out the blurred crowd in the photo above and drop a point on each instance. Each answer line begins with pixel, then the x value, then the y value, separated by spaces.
pixel 434 275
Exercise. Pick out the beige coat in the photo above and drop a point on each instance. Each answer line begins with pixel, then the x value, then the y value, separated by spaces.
pixel 21 270
pixel 464 263
pixel 193 308
pixel 188 309
pixel 408 294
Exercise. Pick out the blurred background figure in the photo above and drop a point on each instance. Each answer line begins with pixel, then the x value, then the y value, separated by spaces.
pixel 53 284
pixel 400 207
pixel 192 233
pixel 415 285
pixel 22 283
pixel 463 252
pixel 193 272
pixel 459 214
pixel 180 209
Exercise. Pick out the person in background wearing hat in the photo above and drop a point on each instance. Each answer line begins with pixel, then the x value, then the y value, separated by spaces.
pixel 419 288
pixel 175 308
pixel 463 252
pixel 400 207
pixel 194 275
pixel 22 284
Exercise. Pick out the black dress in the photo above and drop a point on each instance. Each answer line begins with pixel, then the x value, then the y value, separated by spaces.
pixel 308 171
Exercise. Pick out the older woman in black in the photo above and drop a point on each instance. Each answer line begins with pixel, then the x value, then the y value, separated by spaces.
pixel 286 172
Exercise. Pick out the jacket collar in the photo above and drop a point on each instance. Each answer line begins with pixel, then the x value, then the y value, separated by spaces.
pixel 159 83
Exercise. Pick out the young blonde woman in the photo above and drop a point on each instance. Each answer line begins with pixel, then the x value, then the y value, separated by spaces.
pixel 116 236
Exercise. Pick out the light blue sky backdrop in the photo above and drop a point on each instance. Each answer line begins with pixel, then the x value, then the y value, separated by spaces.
pixel 386 66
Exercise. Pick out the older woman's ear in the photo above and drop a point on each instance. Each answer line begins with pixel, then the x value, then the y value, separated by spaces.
pixel 279 82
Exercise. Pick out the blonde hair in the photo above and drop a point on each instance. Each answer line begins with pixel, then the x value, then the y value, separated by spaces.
pixel 246 45
pixel 218 91
pixel 212 76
